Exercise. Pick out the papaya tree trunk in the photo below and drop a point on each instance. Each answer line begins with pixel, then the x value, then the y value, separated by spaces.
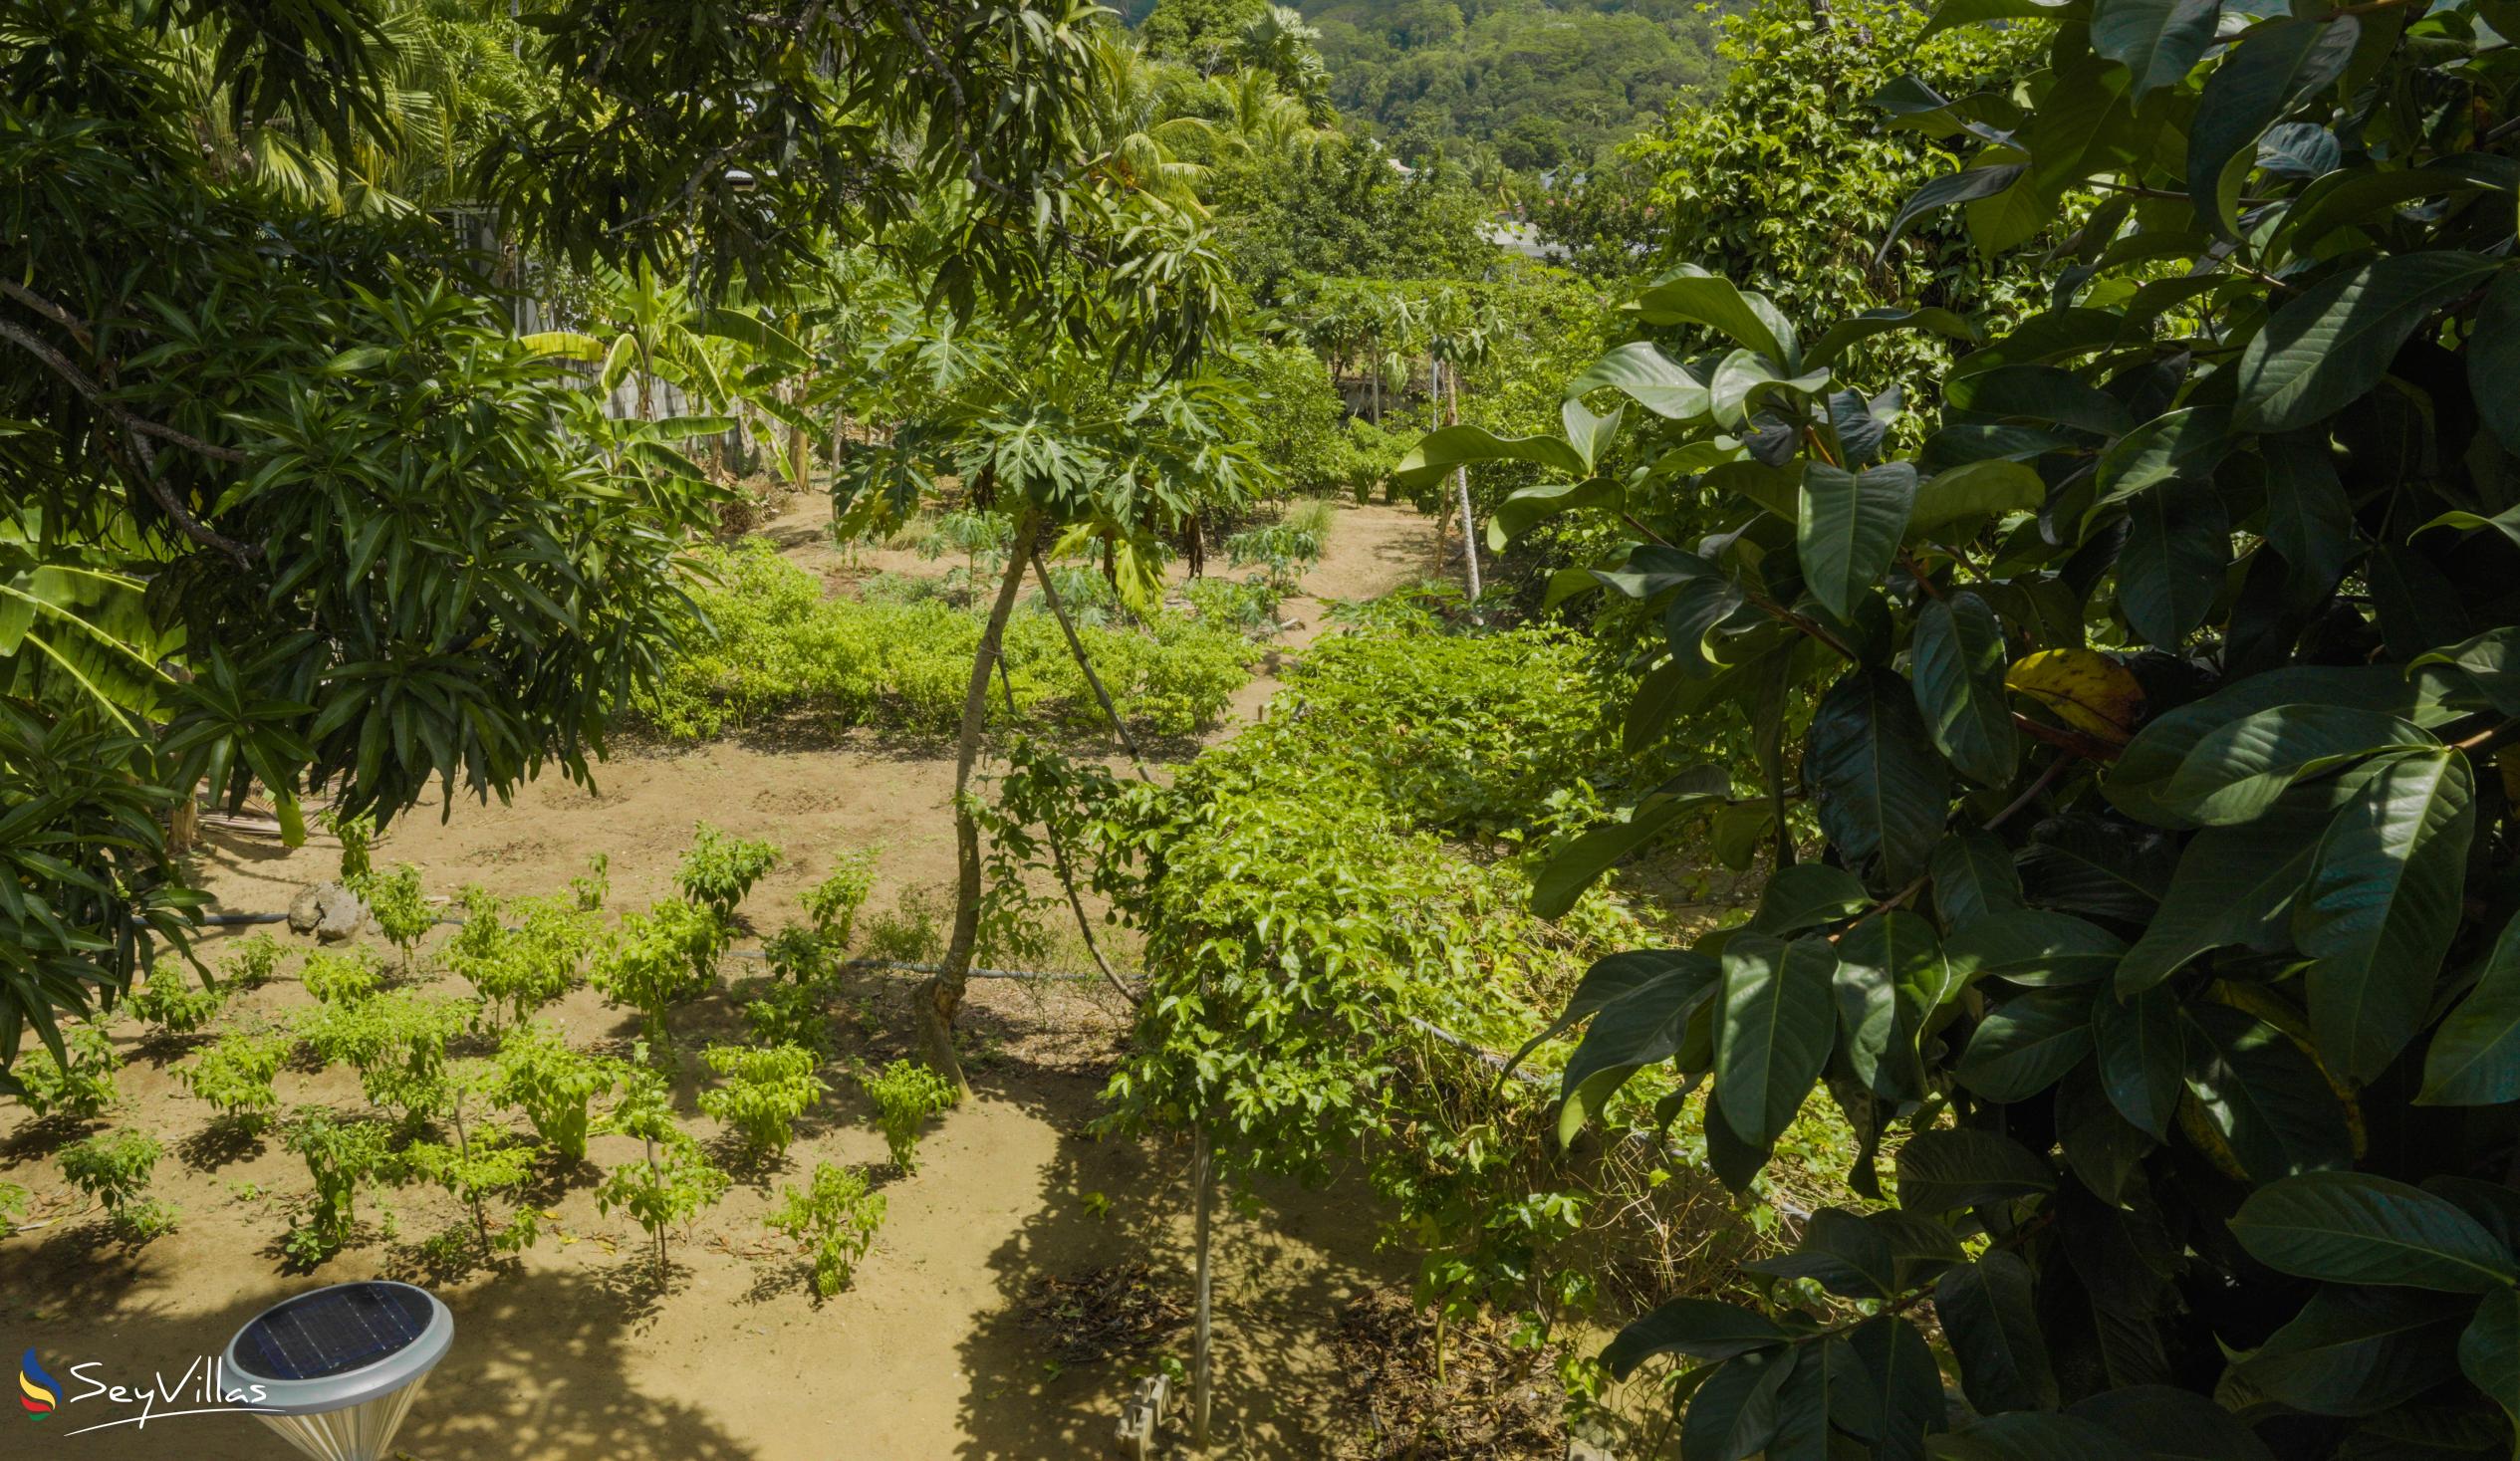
pixel 1448 385
pixel 940 995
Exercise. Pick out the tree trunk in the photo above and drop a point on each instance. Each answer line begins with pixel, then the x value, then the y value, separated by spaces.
pixel 940 995
pixel 1203 1362
pixel 1451 377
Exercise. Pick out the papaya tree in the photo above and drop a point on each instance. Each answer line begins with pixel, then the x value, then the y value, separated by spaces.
pixel 1077 454
pixel 2134 751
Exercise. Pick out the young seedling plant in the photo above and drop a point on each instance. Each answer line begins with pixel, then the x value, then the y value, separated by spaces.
pixel 676 1180
pixel 518 970
pixel 113 1168
pixel 80 1090
pixel 662 959
pixel 252 962
pixel 554 1086
pixel 834 902
pixel 402 914
pixel 397 1042
pixel 338 978
pixel 718 870
pixel 235 1076
pixel 341 1156
pixel 835 1216
pixel 906 1095
pixel 481 1161
pixel 766 1090
pixel 174 1004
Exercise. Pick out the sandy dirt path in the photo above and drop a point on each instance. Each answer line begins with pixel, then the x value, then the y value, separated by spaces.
pixel 575 1350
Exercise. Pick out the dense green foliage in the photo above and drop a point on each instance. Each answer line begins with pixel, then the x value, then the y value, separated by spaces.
pixel 2149 714
pixel 1534 84
pixel 778 647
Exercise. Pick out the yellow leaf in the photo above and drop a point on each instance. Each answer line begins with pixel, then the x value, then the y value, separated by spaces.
pixel 2086 690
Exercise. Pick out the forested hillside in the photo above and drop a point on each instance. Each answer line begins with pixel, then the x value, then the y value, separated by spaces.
pixel 1527 84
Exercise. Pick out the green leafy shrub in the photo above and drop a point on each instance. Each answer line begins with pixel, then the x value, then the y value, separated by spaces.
pixel 340 1157
pixel 834 902
pixel 905 1093
pixel 15 1203
pixel 395 1041
pixel 518 970
pixel 554 1086
pixel 251 961
pixel 113 1168
pixel 594 885
pixel 173 1003
pixel 766 1090
pixel 358 834
pixel 910 931
pixel 402 912
pixel 835 1216
pixel 340 978
pixel 782 649
pixel 2153 713
pixel 662 959
pixel 675 1181
pixel 478 1164
pixel 235 1076
pixel 80 1090
pixel 718 870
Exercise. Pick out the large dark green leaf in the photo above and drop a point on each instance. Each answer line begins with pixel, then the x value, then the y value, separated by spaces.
pixel 2309 518
pixel 1582 861
pixel 1880 789
pixel 1890 972
pixel 1613 979
pixel 2491 660
pixel 2181 445
pixel 2042 394
pixel 2270 70
pixel 1909 1383
pixel 1964 1167
pixel 2172 1424
pixel 2026 1042
pixel 1990 488
pixel 2382 905
pixel 2144 770
pixel 1773 1030
pixel 2095 866
pixel 2359 1351
pixel 2489 1349
pixel 2355 1228
pixel 1958 671
pixel 2261 1096
pixel 2493 360
pixel 1806 895
pixel 2321 352
pixel 1636 1025
pixel 2142 1056
pixel 2169 570
pixel 2475 1055
pixel 2236 885
pixel 1648 377
pixel 1846 332
pixel 1733 1414
pixel 2024 1436
pixel 1990 1316
pixel 1842 1253
pixel 1694 297
pixel 2157 41
pixel 2239 768
pixel 1941 193
pixel 1439 451
pixel 2032 946
pixel 1702 1329
pixel 1848 526
pixel 1973 876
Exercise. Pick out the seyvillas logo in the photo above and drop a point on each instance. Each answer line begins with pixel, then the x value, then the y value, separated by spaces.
pixel 201 1389
pixel 38 1391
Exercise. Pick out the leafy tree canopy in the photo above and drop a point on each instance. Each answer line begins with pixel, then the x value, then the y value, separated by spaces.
pixel 2157 936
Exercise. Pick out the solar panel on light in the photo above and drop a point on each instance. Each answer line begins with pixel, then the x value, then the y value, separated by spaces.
pixel 338 1368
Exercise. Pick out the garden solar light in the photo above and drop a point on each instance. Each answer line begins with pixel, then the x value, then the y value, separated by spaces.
pixel 338 1368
